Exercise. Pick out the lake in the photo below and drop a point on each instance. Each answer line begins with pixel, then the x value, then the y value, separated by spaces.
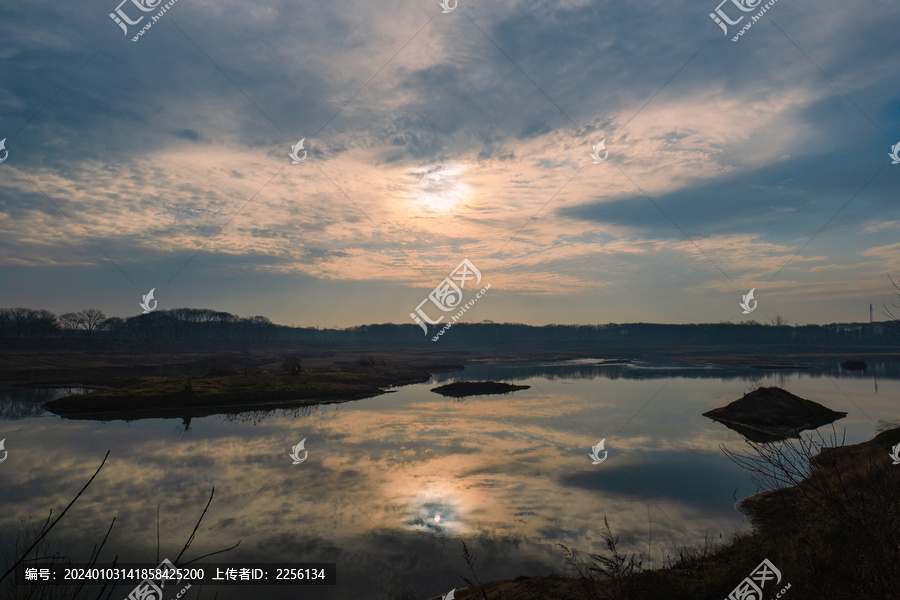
pixel 392 484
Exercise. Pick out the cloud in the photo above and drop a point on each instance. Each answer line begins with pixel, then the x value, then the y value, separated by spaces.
pixel 432 139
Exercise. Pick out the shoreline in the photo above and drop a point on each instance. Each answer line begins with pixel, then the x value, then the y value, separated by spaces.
pixel 125 386
pixel 800 528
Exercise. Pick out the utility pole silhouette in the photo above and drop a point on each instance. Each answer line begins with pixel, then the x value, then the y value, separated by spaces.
pixel 870 312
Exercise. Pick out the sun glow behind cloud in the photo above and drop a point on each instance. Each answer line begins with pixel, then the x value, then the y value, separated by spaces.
pixel 439 188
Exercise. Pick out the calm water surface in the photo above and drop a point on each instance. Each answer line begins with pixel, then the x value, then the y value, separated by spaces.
pixel 392 484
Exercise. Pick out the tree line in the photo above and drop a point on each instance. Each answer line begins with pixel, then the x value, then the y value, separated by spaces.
pixel 90 323
pixel 203 324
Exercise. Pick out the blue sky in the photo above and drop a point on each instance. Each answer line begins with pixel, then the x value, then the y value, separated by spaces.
pixel 432 138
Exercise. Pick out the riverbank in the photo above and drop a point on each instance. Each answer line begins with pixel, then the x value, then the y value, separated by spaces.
pixel 151 378
pixel 97 363
pixel 836 530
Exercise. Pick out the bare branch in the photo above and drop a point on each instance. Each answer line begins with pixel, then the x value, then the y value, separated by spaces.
pixel 46 530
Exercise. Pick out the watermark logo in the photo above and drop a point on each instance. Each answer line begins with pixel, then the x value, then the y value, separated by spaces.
pixel 751 587
pixel 148 588
pixel 445 4
pixel 895 153
pixel 448 296
pixel 450 596
pixel 748 298
pixel 295 159
pixel 295 452
pixel 596 153
pixel 146 303
pixel 595 453
pixel 723 20
pixel 6 152
pixel 895 453
pixel 6 453
pixel 122 20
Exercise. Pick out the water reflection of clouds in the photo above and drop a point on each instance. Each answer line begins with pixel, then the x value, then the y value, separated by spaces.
pixel 397 480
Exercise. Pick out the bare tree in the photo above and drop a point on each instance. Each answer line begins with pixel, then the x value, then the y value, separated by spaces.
pixel 20 319
pixel 113 326
pixel 70 322
pixel 92 319
pixel 897 306
pixel 43 324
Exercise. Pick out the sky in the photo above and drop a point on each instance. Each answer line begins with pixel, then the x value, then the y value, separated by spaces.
pixel 432 137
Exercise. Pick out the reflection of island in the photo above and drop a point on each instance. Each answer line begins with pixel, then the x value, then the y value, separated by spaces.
pixel 854 365
pixel 28 402
pixel 772 414
pixel 461 389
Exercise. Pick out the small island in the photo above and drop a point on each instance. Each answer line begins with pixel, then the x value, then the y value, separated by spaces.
pixel 770 414
pixel 214 393
pixel 462 389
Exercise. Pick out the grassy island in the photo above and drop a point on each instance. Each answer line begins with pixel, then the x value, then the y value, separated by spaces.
pixel 180 395
pixel 461 389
